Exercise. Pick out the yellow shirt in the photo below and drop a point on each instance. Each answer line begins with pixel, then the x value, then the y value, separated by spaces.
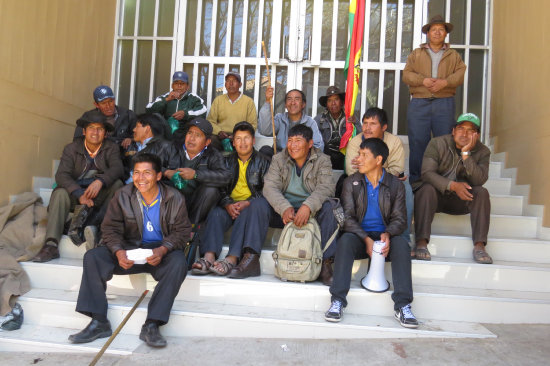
pixel 241 191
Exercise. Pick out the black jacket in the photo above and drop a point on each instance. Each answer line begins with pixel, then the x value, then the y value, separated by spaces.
pixel 122 227
pixel 391 199
pixel 157 146
pixel 73 164
pixel 210 168
pixel 124 125
pixel 255 172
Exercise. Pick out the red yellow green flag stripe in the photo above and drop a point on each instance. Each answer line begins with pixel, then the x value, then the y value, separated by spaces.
pixel 356 27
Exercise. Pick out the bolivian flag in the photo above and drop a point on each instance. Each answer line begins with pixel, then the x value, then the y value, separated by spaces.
pixel 356 26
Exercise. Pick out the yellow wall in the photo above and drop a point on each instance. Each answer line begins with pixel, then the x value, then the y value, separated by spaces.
pixel 520 117
pixel 52 55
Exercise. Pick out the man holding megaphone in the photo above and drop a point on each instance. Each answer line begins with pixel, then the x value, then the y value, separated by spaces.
pixel 374 206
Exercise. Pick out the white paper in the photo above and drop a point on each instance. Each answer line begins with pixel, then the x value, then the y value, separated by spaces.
pixel 139 256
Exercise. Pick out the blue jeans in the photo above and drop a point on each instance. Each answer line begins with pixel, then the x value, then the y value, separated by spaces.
pixel 426 117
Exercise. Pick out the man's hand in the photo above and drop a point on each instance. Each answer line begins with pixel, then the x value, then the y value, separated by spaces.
pixel 302 216
pixel 462 190
pixel 355 162
pixel 403 178
pixel 93 189
pixel 233 210
pixel 438 85
pixel 288 215
pixel 370 244
pixel 241 205
pixel 85 201
pixel 173 95
pixel 223 135
pixel 158 253
pixel 474 137
pixel 428 82
pixel 126 142
pixel 268 93
pixel 123 260
pixel 179 115
pixel 385 237
pixel 352 119
pixel 186 173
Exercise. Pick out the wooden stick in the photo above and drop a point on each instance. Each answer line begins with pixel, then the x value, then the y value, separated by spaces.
pixel 118 329
pixel 270 101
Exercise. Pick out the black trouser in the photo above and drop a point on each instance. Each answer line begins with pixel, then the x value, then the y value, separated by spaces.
pixel 201 202
pixel 351 247
pixel 100 265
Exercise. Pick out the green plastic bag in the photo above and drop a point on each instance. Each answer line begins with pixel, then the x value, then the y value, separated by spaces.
pixel 173 123
pixel 178 181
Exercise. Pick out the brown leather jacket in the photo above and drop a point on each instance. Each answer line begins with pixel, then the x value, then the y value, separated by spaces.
pixel 391 199
pixel 122 227
pixel 73 164
pixel 419 66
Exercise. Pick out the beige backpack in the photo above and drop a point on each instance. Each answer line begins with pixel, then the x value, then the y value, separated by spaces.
pixel 299 256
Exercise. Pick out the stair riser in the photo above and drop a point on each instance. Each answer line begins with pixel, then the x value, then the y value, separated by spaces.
pixel 314 298
pixel 500 226
pixel 186 324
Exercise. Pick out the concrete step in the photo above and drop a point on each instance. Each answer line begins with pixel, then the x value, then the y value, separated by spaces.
pixel 498 185
pixel 199 319
pixel 440 271
pixel 501 226
pixel 42 182
pixel 33 337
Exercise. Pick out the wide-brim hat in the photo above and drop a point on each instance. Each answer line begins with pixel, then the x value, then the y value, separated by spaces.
pixel 332 90
pixel 438 19
pixel 94 116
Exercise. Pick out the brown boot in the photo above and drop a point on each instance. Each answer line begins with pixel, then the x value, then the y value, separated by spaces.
pixel 48 252
pixel 326 272
pixel 249 266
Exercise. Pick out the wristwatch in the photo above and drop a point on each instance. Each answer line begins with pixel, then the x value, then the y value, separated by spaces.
pixel 465 153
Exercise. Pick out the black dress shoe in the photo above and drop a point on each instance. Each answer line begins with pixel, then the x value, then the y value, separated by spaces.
pixel 76 230
pixel 326 272
pixel 150 334
pixel 47 253
pixel 249 266
pixel 96 329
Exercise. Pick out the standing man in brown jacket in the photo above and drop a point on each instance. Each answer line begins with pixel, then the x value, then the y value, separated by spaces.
pixel 89 173
pixel 454 169
pixel 433 72
pixel 145 215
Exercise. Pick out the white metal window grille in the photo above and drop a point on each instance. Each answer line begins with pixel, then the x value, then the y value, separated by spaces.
pixel 306 42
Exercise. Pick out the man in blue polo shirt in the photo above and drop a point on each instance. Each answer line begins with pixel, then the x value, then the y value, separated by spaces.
pixel 145 215
pixel 374 206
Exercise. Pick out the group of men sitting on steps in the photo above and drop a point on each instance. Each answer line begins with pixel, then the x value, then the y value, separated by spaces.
pixel 173 186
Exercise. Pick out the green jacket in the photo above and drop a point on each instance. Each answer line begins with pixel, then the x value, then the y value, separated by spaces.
pixel 192 104
pixel 442 164
pixel 316 175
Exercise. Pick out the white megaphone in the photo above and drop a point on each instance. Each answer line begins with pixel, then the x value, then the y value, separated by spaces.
pixel 375 280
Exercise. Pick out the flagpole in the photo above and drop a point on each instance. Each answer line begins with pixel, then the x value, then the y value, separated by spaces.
pixel 270 101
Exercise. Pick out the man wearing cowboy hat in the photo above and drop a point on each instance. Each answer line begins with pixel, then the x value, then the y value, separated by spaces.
pixel 332 124
pixel 89 173
pixel 433 72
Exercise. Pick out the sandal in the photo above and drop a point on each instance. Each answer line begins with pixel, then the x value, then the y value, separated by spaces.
pixel 482 257
pixel 205 267
pixel 423 254
pixel 226 267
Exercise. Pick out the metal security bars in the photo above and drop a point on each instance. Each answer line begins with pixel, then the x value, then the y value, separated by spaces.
pixel 306 42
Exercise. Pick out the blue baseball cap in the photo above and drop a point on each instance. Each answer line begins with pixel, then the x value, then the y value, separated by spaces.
pixel 180 76
pixel 103 92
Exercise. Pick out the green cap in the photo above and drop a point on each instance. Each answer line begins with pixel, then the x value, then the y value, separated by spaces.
pixel 469 117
